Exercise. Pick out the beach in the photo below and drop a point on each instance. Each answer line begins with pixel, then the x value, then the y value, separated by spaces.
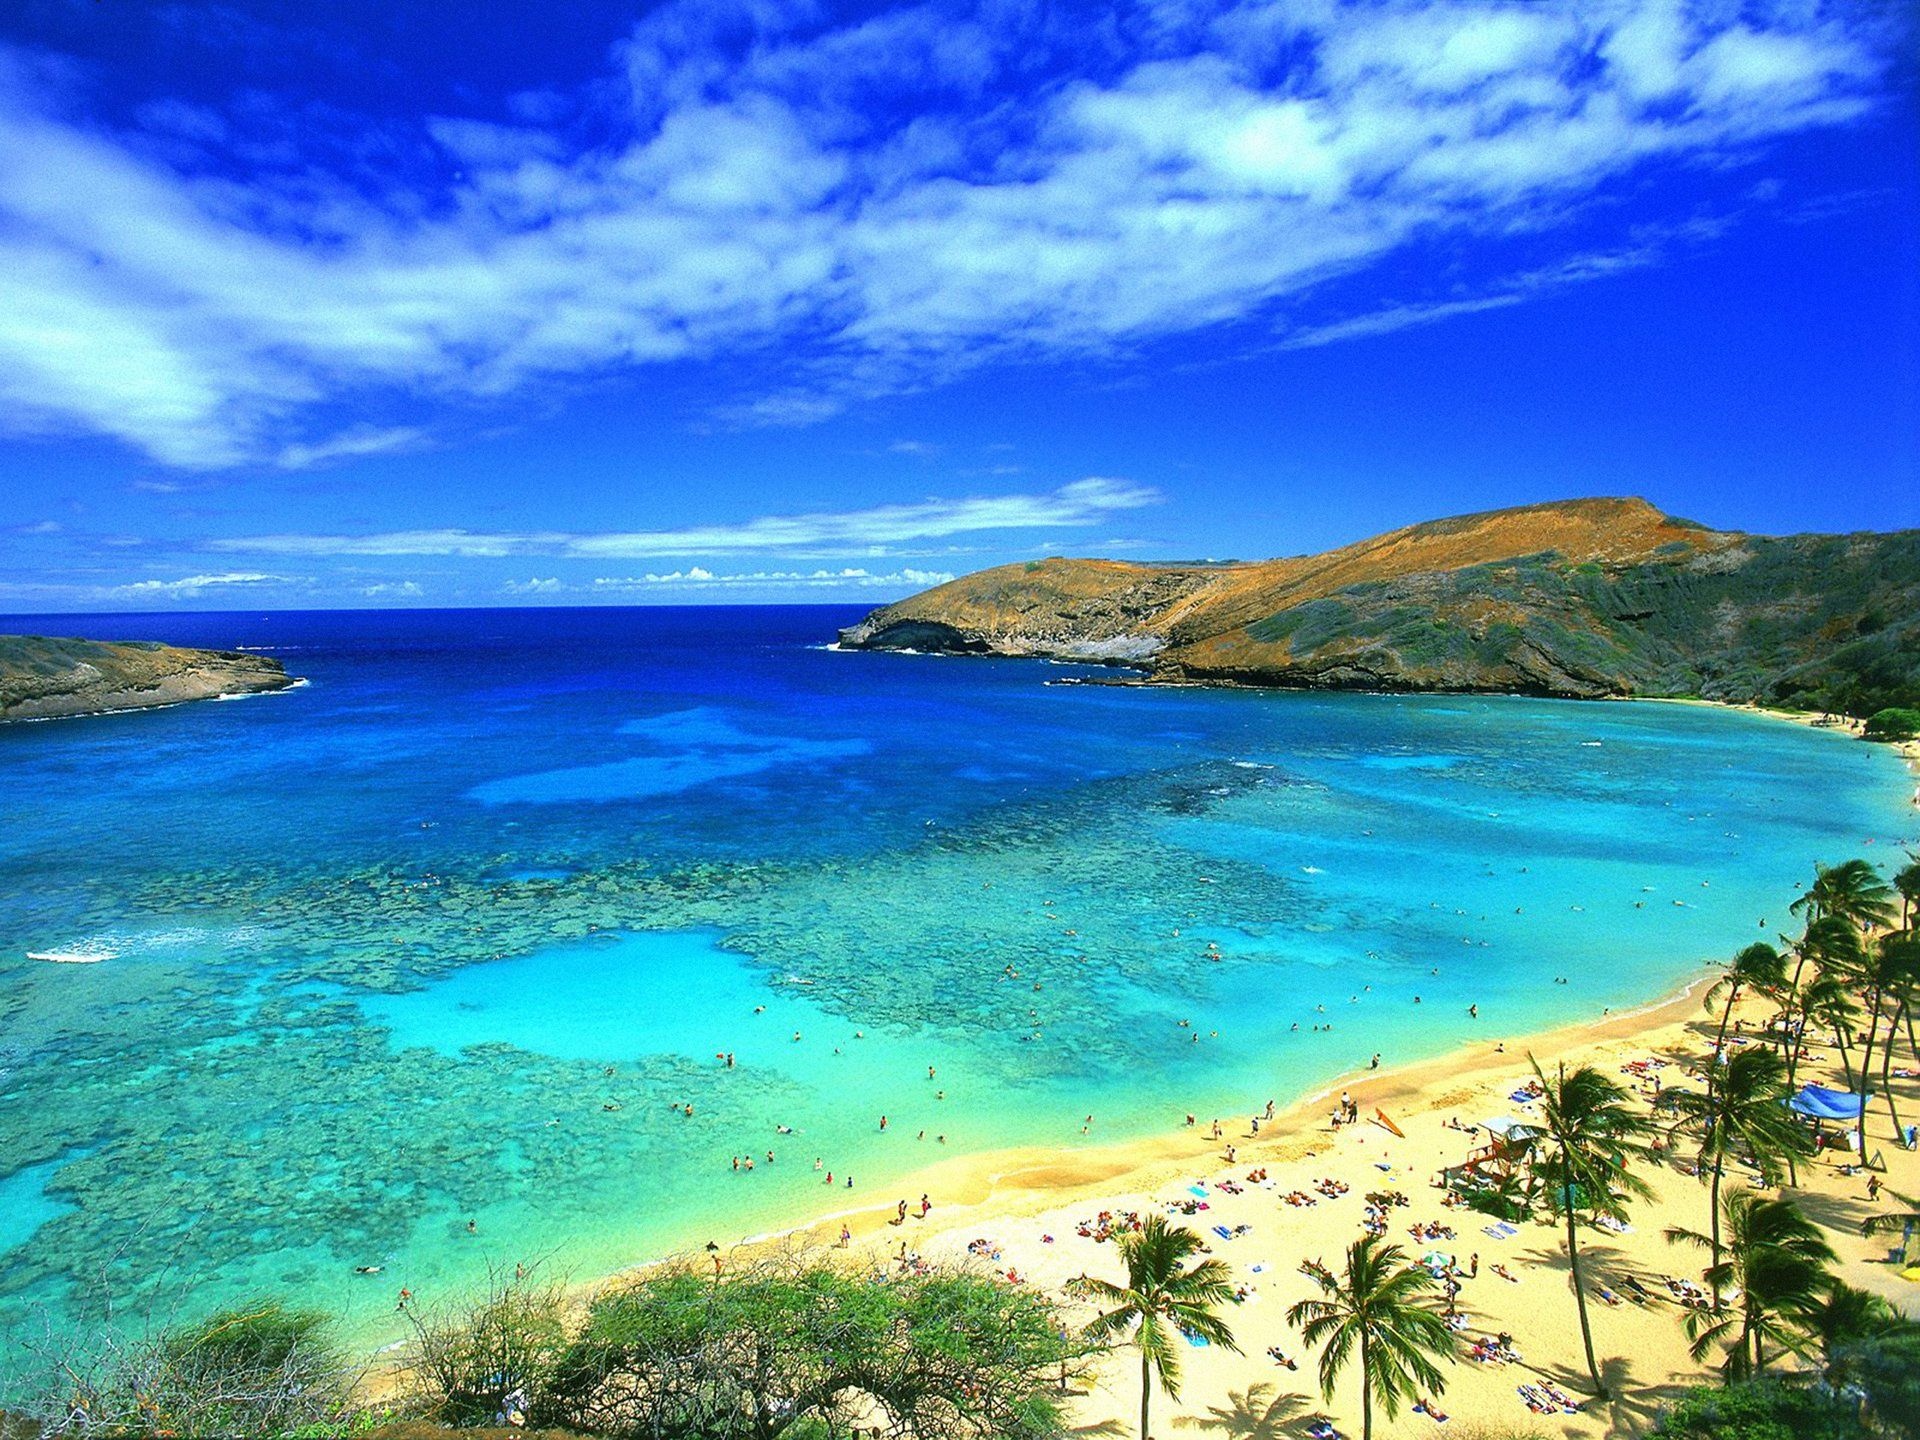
pixel 1028 1214
pixel 1043 1217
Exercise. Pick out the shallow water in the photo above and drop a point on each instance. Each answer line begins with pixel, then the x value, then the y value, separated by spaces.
pixel 454 931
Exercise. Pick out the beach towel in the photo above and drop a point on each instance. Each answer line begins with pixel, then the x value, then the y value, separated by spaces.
pixel 1223 1232
pixel 1199 1190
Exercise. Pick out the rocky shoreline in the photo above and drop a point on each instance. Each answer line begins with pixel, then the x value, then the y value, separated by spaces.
pixel 50 678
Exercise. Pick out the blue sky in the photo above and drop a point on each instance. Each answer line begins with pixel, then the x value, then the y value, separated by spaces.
pixel 401 304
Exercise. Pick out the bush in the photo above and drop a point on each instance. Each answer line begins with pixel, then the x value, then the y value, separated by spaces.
pixel 483 1360
pixel 1761 1410
pixel 807 1349
pixel 1893 724
pixel 257 1370
pixel 1885 1369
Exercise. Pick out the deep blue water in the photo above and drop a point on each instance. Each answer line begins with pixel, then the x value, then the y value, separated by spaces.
pixel 385 949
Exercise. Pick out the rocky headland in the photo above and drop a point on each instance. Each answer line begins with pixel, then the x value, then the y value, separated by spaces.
pixel 1577 599
pixel 44 678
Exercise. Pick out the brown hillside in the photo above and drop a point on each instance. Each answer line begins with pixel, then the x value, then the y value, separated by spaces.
pixel 1576 598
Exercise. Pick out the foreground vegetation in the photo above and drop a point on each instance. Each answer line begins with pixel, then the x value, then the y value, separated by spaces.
pixel 809 1347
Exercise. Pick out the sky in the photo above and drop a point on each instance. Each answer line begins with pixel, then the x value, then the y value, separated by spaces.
pixel 394 303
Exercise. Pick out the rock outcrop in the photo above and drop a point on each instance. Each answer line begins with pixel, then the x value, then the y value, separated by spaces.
pixel 43 678
pixel 1578 599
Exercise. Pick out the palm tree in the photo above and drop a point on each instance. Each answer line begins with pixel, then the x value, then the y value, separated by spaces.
pixel 1159 1290
pixel 1846 1316
pixel 1745 1114
pixel 1832 946
pixel 1852 891
pixel 1831 1003
pixel 1906 880
pixel 1777 1260
pixel 1590 1128
pixel 1758 967
pixel 1905 1221
pixel 1892 968
pixel 1379 1307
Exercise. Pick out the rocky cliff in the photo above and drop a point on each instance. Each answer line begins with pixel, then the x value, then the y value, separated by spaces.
pixel 43 678
pixel 1579 599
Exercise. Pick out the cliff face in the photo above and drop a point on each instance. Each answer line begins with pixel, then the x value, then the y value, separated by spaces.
pixel 43 678
pixel 1580 599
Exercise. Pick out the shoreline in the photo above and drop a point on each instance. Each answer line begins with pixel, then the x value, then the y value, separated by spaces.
pixel 989 1188
pixel 981 1193
pixel 994 1180
pixel 978 1180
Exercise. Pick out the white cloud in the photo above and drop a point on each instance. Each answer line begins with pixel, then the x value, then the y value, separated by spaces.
pixel 890 203
pixel 351 444
pixel 193 584
pixel 846 577
pixel 1078 503
pixel 550 586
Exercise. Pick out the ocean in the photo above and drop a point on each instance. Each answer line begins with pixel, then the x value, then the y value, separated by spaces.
pixel 465 929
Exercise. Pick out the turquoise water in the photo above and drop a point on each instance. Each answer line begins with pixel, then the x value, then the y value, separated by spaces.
pixel 456 931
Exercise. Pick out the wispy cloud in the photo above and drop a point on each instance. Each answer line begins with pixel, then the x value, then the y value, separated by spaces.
pixel 847 577
pixel 355 443
pixel 91 594
pixel 1080 503
pixel 890 202
pixel 194 584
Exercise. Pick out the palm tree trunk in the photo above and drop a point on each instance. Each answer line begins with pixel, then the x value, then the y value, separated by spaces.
pixel 1886 1068
pixel 1366 1390
pixel 1866 1069
pixel 1146 1391
pixel 1580 1295
pixel 1796 1033
pixel 1719 1168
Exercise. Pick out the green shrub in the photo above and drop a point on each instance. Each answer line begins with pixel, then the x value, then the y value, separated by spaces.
pixel 1761 1410
pixel 1894 723
pixel 261 1369
pixel 474 1361
pixel 801 1349
pixel 1885 1368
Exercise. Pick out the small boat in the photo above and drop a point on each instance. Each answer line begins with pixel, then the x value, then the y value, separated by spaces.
pixel 69 957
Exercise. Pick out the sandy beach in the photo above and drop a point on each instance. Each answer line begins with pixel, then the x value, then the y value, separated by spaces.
pixel 1035 1217
pixel 1033 1211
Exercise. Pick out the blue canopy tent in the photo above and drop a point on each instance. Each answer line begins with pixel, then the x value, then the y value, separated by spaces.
pixel 1823 1104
